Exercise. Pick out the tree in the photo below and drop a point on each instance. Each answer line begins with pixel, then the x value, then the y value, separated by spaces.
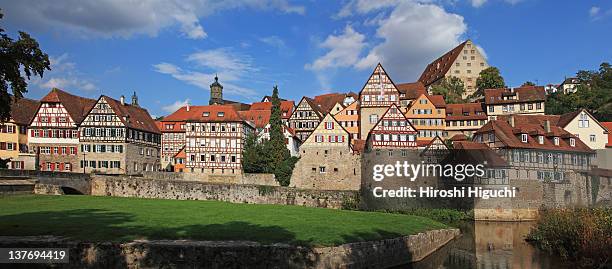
pixel 489 78
pixel 451 88
pixel 22 56
pixel 276 147
pixel 594 93
pixel 528 83
pixel 253 157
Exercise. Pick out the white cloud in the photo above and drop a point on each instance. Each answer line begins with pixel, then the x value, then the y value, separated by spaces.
pixel 277 43
pixel 176 105
pixel 482 52
pixel 344 50
pixel 594 11
pixel 411 34
pixel 231 68
pixel 478 3
pixel 112 18
pixel 63 75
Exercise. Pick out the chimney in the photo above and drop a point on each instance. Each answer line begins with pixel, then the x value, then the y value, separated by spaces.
pixel 547 126
pixel 122 100
pixel 511 121
pixel 187 108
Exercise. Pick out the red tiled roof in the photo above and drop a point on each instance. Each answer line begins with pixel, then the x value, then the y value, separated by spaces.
pixel 23 110
pixel 286 107
pixel 459 137
pixel 181 154
pixel 456 111
pixel 196 113
pixel 258 117
pixel 327 101
pixel 77 106
pixel 478 153
pixel 315 106
pixel 439 67
pixel 522 94
pixel 134 117
pixel 437 101
pixel 566 118
pixel 411 90
pixel 511 137
pixel 608 125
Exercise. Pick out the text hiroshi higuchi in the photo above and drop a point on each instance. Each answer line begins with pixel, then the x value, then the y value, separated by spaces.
pixel 456 192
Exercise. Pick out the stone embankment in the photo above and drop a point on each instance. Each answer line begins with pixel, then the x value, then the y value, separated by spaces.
pixel 240 254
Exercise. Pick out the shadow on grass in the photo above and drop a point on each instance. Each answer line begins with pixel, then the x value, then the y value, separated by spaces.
pixel 94 225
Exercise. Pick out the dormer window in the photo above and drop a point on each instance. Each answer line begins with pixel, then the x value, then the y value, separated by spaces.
pixel 524 138
pixel 556 140
pixel 572 142
pixel 220 114
pixel 540 139
pixel 205 114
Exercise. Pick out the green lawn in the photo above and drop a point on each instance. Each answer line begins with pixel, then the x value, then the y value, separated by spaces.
pixel 94 218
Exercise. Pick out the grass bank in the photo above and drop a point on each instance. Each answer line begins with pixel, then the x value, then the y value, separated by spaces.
pixel 93 218
pixel 582 236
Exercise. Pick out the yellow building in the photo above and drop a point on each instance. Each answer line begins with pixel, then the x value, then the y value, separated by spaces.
pixel 465 61
pixel 428 116
pixel 528 100
pixel 14 135
pixel 349 119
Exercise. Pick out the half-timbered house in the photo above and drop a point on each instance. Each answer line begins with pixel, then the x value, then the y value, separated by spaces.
pixel 14 135
pixel 173 130
pixel 305 117
pixel 215 138
pixel 54 130
pixel 119 138
pixel 348 117
pixel 393 131
pixel 378 93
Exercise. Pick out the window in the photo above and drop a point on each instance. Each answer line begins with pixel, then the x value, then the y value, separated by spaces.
pixel 556 140
pixel 491 109
pixel 524 138
pixel 592 138
pixel 329 125
pixel 572 142
pixel 321 169
pixel 540 139
pixel 373 118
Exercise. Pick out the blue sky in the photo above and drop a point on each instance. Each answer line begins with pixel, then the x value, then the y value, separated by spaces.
pixel 169 51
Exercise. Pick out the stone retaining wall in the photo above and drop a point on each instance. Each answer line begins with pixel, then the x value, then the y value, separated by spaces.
pixel 254 179
pixel 193 190
pixel 240 254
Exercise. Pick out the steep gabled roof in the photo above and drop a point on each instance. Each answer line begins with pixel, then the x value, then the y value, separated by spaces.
pixel 76 106
pixel 23 110
pixel 478 153
pixel 327 101
pixel 439 67
pixel 134 117
pixel 437 101
pixel 286 107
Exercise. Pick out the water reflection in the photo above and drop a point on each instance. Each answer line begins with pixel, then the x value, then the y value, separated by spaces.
pixel 490 245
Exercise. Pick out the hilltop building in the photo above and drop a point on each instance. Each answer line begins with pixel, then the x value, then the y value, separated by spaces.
pixel 465 61
pixel 509 101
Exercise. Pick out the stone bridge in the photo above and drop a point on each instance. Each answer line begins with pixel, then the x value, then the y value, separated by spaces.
pixel 69 183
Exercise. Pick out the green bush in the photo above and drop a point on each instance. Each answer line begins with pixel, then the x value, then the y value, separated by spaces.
pixel 447 216
pixel 582 236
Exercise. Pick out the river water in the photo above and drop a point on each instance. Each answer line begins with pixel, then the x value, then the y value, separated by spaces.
pixel 490 245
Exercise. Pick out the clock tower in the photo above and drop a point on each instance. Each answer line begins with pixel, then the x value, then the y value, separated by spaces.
pixel 216 93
